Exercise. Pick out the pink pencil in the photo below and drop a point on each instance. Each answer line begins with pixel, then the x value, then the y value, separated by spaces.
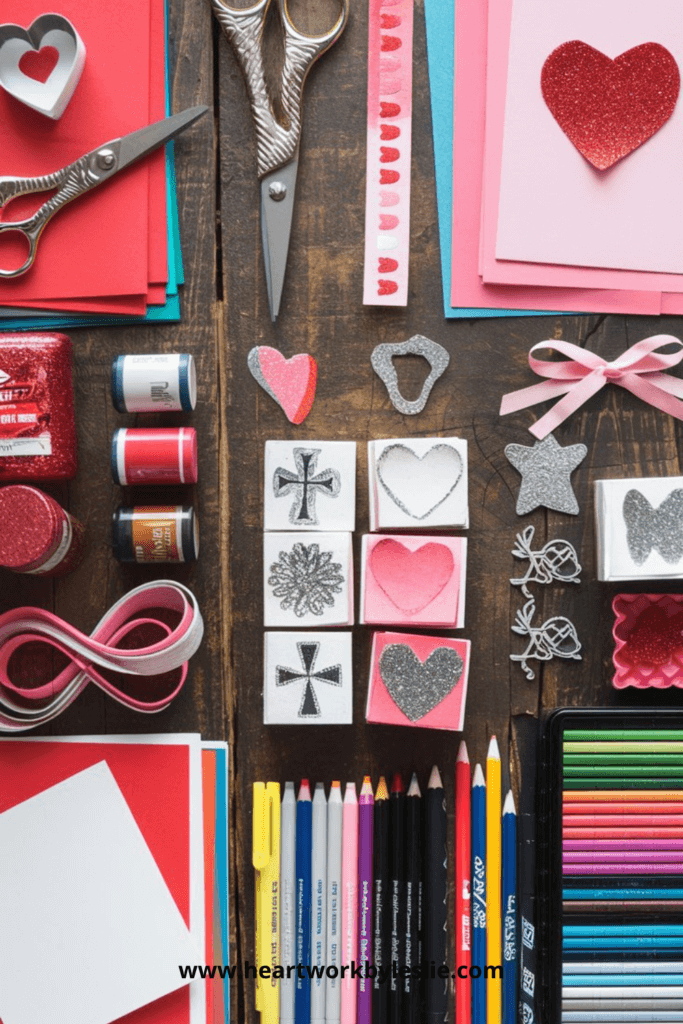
pixel 629 820
pixel 618 844
pixel 349 917
pixel 365 824
pixel 622 869
pixel 614 856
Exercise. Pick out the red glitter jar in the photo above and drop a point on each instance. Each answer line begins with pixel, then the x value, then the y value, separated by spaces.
pixel 38 536
pixel 37 428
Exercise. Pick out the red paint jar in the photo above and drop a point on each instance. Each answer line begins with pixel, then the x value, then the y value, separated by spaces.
pixel 38 536
pixel 37 427
pixel 154 455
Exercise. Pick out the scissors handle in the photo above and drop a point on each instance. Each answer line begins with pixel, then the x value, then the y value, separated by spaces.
pixel 277 142
pixel 71 182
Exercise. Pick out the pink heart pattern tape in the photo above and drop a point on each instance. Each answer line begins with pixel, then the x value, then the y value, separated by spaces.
pixel 151 632
pixel 390 109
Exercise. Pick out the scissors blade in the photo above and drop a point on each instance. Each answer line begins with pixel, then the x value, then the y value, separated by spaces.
pixel 277 207
pixel 138 144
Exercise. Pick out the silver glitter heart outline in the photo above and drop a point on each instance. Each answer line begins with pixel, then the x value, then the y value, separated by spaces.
pixel 435 354
pixel 391 650
pixel 396 500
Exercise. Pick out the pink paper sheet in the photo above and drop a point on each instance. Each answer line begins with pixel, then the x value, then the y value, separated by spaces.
pixel 468 289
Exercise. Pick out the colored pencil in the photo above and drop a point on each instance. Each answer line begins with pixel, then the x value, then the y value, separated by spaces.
pixel 382 902
pixel 622 771
pixel 398 896
pixel 436 901
pixel 595 1017
pixel 624 747
pixel 334 903
pixel 287 900
pixel 623 820
pixel 620 735
pixel 413 922
pixel 636 967
pixel 623 942
pixel 647 796
pixel 365 821
pixel 663 782
pixel 304 813
pixel 627 930
pixel 612 1005
pixel 622 833
pixel 349 902
pixel 494 935
pixel 623 906
pixel 510 942
pixel 624 807
pixel 613 844
pixel 463 886
pixel 652 990
pixel 319 902
pixel 615 894
pixel 479 893
pixel 621 856
pixel 620 758
pixel 621 869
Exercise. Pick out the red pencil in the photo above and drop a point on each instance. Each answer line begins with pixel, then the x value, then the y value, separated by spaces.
pixel 622 833
pixel 623 807
pixel 629 820
pixel 463 886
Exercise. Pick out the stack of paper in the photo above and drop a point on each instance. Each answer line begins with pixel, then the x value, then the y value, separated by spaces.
pixel 113 255
pixel 115 877
pixel 527 221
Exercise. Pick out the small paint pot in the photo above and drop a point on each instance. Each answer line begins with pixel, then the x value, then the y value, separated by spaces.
pixel 38 536
pixel 154 455
pixel 155 533
pixel 166 382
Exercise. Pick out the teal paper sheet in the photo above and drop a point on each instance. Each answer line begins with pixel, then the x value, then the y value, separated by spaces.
pixel 440 20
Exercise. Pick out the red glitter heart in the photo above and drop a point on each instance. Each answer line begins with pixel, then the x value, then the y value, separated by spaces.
pixel 607 108
pixel 39 64
pixel 386 265
pixel 387 177
pixel 388 132
pixel 387 287
pixel 390 43
pixel 389 154
pixel 389 21
pixel 389 110
pixel 387 221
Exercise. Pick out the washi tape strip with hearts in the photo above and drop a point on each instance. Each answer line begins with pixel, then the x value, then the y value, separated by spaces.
pixel 137 653
pixel 390 109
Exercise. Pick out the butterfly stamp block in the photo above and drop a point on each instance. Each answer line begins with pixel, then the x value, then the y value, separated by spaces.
pixel 307 678
pixel 418 484
pixel 639 528
pixel 310 485
pixel 418 681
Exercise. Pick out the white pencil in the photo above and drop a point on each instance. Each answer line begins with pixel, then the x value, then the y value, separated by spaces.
pixel 319 902
pixel 334 870
pixel 623 967
pixel 287 899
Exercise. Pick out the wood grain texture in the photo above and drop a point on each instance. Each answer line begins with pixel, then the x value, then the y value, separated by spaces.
pixel 224 315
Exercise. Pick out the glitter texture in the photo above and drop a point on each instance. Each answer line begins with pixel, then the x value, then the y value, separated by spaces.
pixel 306 579
pixel 546 469
pixel 435 354
pixel 648 528
pixel 417 687
pixel 607 108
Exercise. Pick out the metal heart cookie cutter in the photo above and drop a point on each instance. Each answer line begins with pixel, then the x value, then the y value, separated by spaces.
pixel 51 97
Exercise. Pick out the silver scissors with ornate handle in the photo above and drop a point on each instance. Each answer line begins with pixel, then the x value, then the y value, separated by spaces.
pixel 277 140
pixel 83 175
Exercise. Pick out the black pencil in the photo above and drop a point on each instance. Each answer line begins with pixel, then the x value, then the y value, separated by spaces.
pixel 398 897
pixel 381 919
pixel 411 985
pixel 436 902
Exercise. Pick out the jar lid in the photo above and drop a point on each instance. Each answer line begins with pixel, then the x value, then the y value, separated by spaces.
pixel 30 526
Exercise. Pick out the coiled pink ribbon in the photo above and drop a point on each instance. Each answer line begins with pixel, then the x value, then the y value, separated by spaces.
pixel 583 374
pixel 152 631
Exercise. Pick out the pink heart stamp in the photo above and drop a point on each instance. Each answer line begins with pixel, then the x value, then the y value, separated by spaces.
pixel 291 382
pixel 411 579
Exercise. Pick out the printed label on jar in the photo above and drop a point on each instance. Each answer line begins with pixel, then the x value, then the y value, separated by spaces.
pixel 151 381
pixel 156 535
pixel 24 419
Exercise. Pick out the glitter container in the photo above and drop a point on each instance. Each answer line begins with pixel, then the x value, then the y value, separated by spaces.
pixel 37 428
pixel 648 641
pixel 155 533
pixel 155 455
pixel 38 536
pixel 154 383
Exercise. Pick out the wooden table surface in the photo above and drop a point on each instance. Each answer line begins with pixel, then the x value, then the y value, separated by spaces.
pixel 224 314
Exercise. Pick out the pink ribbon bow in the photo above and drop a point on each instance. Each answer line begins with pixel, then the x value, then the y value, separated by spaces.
pixel 583 373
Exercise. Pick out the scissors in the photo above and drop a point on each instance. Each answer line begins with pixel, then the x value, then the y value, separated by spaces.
pixel 277 140
pixel 83 175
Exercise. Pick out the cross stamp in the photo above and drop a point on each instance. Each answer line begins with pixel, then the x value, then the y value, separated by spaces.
pixel 307 678
pixel 305 485
pixel 308 653
pixel 309 486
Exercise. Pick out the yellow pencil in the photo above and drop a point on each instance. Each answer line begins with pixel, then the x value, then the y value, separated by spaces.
pixel 494 919
pixel 266 859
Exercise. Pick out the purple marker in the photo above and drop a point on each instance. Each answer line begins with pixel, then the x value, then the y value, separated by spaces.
pixel 618 844
pixel 365 829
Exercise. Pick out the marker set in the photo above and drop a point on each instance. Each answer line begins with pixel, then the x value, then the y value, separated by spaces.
pixel 610 834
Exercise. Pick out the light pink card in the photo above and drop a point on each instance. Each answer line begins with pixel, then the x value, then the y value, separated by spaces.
pixel 468 164
pixel 390 111
pixel 418 681
pixel 554 206
pixel 417 581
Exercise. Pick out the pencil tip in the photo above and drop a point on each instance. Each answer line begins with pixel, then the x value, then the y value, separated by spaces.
pixel 350 794
pixel 435 779
pixel 509 805
pixel 478 777
pixel 414 787
pixel 366 788
pixel 462 752
pixel 494 752
pixel 382 791
pixel 304 790
pixel 336 784
pixel 397 784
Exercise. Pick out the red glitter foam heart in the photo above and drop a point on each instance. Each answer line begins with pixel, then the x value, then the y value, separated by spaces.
pixel 386 265
pixel 607 108
pixel 387 177
pixel 390 43
pixel 387 221
pixel 388 132
pixel 386 287
pixel 389 109
pixel 389 154
pixel 389 21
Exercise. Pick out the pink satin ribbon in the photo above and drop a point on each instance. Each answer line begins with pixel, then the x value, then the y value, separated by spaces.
pixel 169 627
pixel 582 374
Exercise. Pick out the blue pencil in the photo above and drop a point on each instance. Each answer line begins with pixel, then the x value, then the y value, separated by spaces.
pixel 624 942
pixel 479 893
pixel 605 980
pixel 510 948
pixel 622 894
pixel 304 842
pixel 623 929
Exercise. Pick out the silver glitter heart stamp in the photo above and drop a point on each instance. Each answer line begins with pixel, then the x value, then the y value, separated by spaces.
pixel 382 363
pixel 419 484
pixel 418 687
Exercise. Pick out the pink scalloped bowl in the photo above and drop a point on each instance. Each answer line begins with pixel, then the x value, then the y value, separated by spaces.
pixel 627 610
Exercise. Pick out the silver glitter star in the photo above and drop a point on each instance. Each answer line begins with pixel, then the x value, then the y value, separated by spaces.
pixel 546 469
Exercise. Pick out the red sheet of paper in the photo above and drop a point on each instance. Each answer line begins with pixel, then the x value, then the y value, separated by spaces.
pixel 155 781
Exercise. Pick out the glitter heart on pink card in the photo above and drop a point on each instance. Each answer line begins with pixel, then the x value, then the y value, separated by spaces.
pixel 411 579
pixel 291 382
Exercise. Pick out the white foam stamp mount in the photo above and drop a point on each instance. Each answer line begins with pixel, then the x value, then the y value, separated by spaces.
pixel 51 97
